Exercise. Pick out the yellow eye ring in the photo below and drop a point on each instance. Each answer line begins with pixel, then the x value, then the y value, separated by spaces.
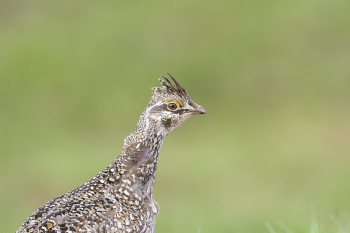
pixel 176 100
pixel 172 106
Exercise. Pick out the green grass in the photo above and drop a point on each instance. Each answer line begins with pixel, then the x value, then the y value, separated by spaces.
pixel 273 75
pixel 336 227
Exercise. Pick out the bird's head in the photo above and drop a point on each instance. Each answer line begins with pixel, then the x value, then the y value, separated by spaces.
pixel 170 106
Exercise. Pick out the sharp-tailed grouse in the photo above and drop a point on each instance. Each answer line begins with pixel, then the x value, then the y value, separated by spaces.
pixel 120 198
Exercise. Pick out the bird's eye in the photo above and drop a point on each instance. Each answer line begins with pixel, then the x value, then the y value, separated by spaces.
pixel 172 106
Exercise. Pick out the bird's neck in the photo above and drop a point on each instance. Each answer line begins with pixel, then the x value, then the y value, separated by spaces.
pixel 142 147
pixel 137 163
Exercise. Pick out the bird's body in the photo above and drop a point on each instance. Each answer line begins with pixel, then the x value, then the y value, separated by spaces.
pixel 121 197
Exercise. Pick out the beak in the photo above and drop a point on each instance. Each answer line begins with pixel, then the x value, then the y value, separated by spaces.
pixel 199 110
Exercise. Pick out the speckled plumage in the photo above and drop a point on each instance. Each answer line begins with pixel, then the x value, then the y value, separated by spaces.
pixel 121 197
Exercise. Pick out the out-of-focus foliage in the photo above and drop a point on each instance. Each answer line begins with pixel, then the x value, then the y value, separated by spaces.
pixel 274 77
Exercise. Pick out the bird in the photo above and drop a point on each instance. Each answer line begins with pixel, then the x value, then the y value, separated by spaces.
pixel 120 198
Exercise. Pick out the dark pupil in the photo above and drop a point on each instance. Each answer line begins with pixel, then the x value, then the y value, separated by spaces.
pixel 172 106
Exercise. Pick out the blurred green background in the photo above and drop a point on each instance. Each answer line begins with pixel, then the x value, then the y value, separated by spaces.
pixel 273 75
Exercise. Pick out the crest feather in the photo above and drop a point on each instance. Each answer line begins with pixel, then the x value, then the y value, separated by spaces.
pixel 174 87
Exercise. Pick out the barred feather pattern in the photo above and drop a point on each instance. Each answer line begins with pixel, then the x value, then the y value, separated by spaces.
pixel 121 197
